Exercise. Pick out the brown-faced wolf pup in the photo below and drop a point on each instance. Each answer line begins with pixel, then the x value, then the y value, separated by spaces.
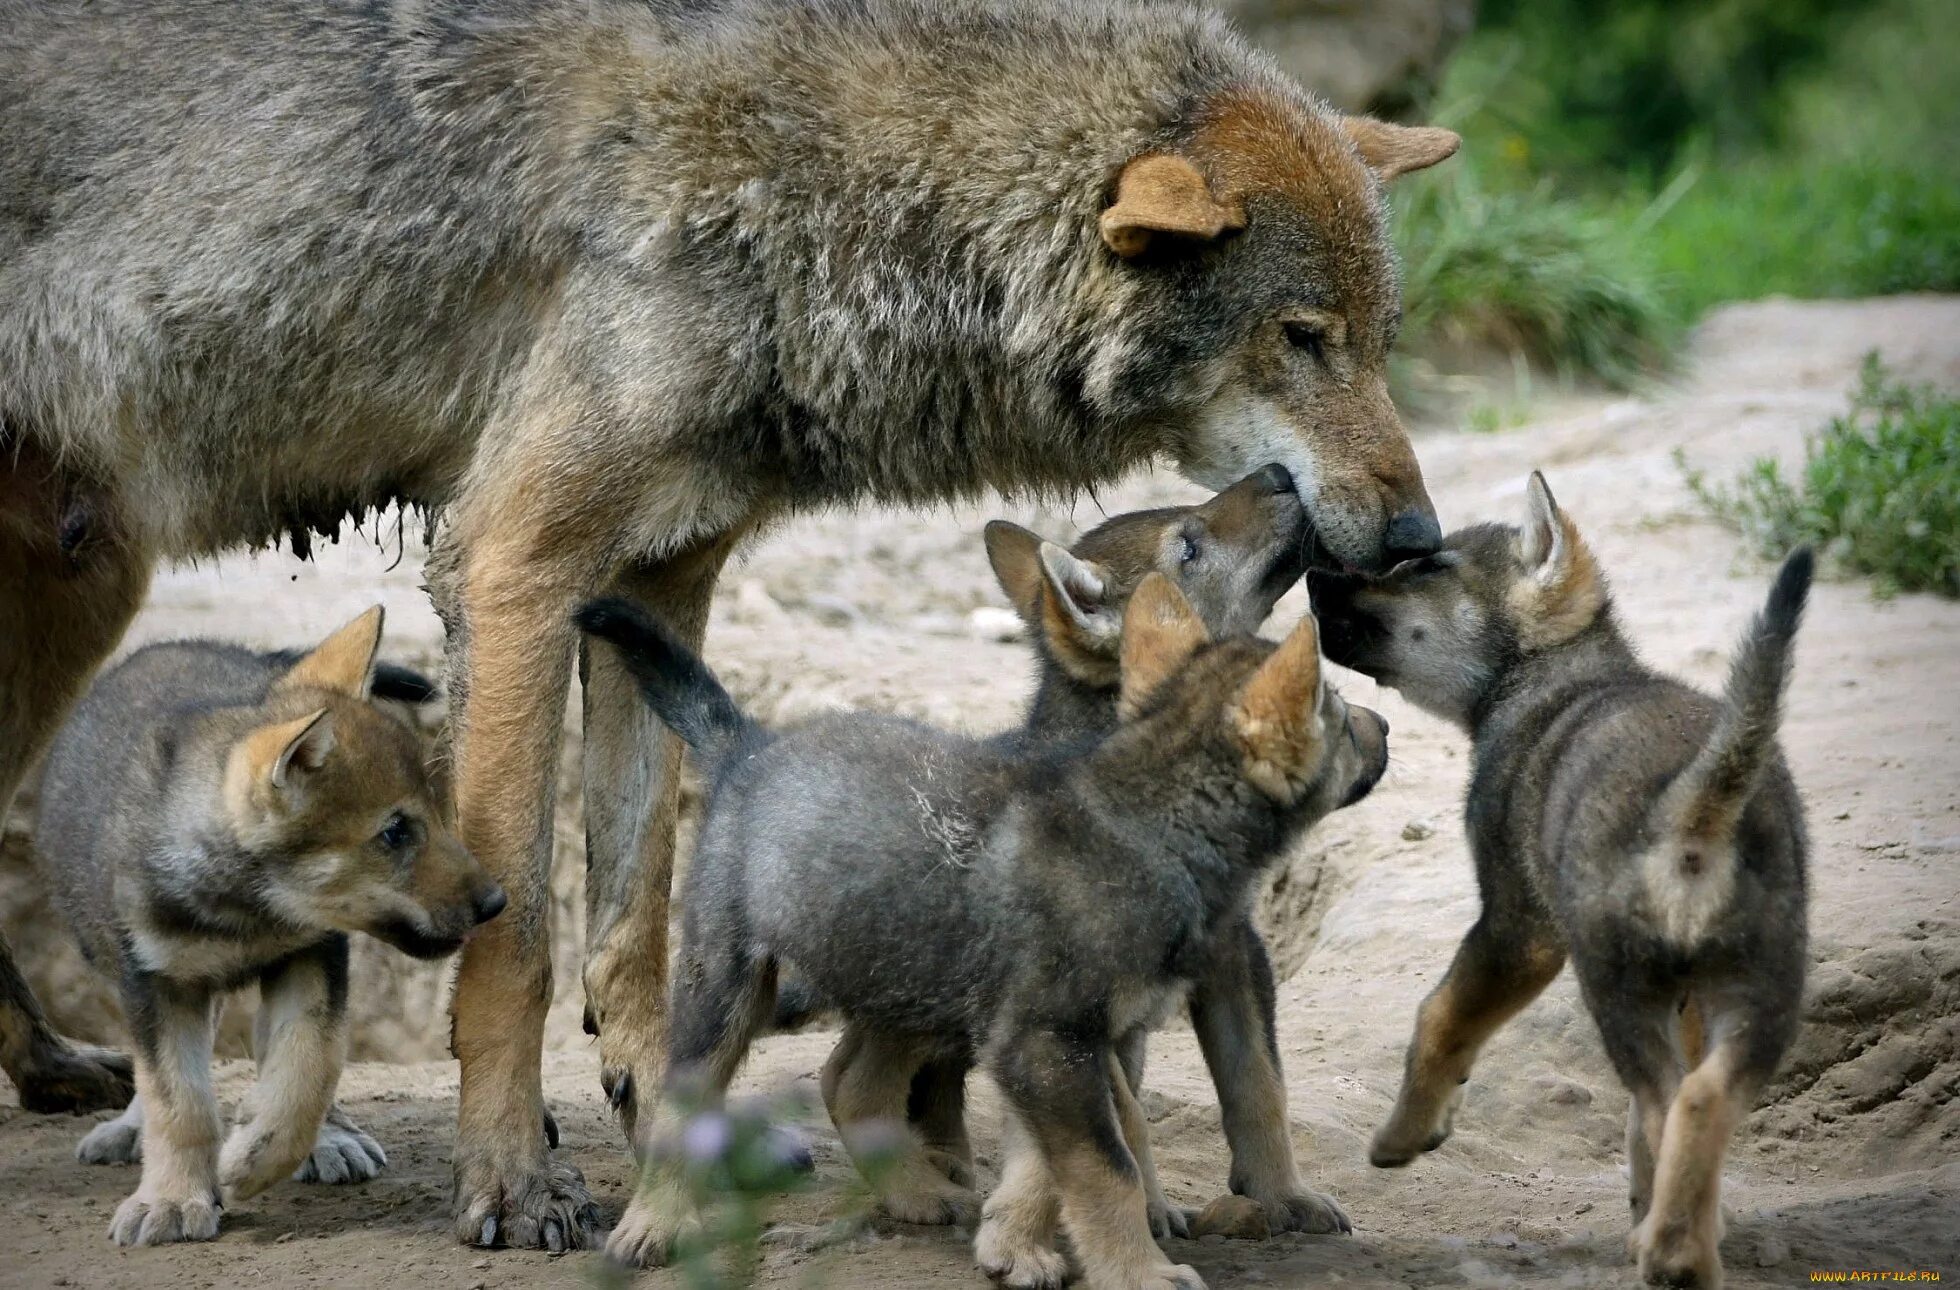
pixel 1031 907
pixel 1647 831
pixel 212 816
pixel 1232 557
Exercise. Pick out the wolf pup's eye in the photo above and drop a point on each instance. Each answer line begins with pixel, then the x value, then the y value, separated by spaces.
pixel 1307 338
pixel 1190 551
pixel 397 834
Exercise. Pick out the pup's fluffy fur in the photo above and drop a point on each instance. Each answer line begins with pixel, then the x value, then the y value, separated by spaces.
pixel 210 817
pixel 1031 908
pixel 1647 831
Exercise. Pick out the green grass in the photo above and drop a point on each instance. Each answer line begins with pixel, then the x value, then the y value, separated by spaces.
pixel 1878 493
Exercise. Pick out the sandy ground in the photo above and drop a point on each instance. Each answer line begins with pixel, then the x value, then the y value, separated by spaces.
pixel 1850 1164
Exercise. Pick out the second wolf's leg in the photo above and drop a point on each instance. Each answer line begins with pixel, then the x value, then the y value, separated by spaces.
pixel 1233 1009
pixel 1679 1241
pixel 115 1142
pixel 864 1088
pixel 1499 968
pixel 70 581
pixel 936 1107
pixel 1060 1087
pixel 302 1043
pixel 1166 1219
pixel 632 799
pixel 177 1198
pixel 1016 1241
pixel 722 999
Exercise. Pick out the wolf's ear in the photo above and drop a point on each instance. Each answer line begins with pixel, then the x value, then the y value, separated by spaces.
pixel 278 754
pixel 1391 150
pixel 1159 192
pixel 1562 591
pixel 1015 554
pixel 1160 634
pixel 343 662
pixel 1277 715
pixel 1075 603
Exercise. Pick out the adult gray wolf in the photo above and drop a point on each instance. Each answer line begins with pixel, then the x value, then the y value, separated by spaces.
pixel 611 283
pixel 210 817
pixel 1644 829
pixel 1032 908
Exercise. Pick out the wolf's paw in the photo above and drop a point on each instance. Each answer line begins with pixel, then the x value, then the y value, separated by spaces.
pixel 1172 1276
pixel 957 1166
pixel 342 1153
pixel 1672 1254
pixel 157 1220
pixel 652 1228
pixel 545 1206
pixel 113 1142
pixel 916 1192
pixel 1302 1210
pixel 1168 1220
pixel 77 1078
pixel 1015 1262
pixel 1399 1142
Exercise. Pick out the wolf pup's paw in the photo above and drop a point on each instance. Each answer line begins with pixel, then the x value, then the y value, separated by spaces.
pixel 1168 1220
pixel 342 1153
pixel 113 1142
pixel 1173 1276
pixel 157 1220
pixel 1016 1263
pixel 76 1078
pixel 1673 1254
pixel 915 1192
pixel 653 1227
pixel 1305 1211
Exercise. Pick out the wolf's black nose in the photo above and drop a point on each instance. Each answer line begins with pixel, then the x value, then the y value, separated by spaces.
pixel 488 907
pixel 1411 534
pixel 1278 478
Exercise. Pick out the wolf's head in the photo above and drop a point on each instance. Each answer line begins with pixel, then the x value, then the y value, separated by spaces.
pixel 335 800
pixel 1440 629
pixel 1232 557
pixel 1268 298
pixel 1243 711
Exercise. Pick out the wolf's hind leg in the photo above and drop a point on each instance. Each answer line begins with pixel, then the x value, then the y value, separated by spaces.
pixel 936 1107
pixel 302 1043
pixel 115 1142
pixel 1498 969
pixel 722 1000
pixel 1166 1219
pixel 865 1085
pixel 71 578
pixel 177 1198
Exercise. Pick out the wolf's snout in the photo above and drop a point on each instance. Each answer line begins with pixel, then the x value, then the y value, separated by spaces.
pixel 1412 534
pixel 1278 478
pixel 491 904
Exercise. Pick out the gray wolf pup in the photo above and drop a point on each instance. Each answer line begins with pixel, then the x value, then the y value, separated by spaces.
pixel 609 284
pixel 211 816
pixel 1649 832
pixel 1032 909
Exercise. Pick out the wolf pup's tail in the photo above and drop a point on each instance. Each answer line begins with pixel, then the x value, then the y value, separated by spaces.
pixel 1692 873
pixel 677 685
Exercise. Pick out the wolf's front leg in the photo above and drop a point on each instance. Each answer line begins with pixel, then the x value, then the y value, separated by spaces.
pixel 1059 1086
pixel 177 1198
pixel 302 1041
pixel 1232 1009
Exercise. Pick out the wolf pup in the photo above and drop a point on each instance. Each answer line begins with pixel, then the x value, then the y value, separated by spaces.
pixel 1647 831
pixel 1030 907
pixel 211 816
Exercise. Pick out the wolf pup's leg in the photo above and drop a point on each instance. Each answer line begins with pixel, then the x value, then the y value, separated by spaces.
pixel 177 1198
pixel 115 1142
pixel 632 798
pixel 936 1107
pixel 302 1006
pixel 1232 1010
pixel 1125 1080
pixel 864 1087
pixel 1060 1087
pixel 1016 1241
pixel 53 1073
pixel 722 1000
pixel 1502 965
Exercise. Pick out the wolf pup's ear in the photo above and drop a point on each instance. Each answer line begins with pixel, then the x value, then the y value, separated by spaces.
pixel 1159 193
pixel 278 755
pixel 1075 611
pixel 1015 554
pixel 1561 592
pixel 1390 150
pixel 1277 716
pixel 343 662
pixel 1160 634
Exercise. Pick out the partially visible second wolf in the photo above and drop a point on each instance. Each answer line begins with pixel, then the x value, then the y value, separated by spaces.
pixel 212 817
pixel 1647 831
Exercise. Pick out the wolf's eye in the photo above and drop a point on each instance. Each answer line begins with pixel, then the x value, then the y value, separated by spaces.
pixel 397 834
pixel 1309 339
pixel 1189 552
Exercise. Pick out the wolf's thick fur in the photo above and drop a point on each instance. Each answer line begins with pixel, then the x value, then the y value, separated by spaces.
pixel 612 282
pixel 1029 908
pixel 1647 831
pixel 212 816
